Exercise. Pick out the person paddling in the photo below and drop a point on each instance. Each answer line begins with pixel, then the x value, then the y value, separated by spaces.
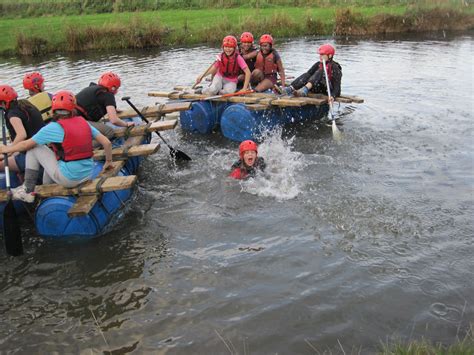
pixel 248 51
pixel 23 120
pixel 69 161
pixel 267 65
pixel 249 162
pixel 97 100
pixel 314 80
pixel 226 70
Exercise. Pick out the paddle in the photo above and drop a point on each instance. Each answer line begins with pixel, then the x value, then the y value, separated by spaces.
pixel 335 131
pixel 11 227
pixel 175 154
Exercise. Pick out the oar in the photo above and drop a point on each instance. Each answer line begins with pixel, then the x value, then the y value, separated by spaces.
pixel 207 71
pixel 11 227
pixel 175 154
pixel 335 131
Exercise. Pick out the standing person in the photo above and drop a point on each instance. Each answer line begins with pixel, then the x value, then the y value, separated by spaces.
pixel 248 51
pixel 267 65
pixel 314 80
pixel 23 121
pixel 249 162
pixel 97 100
pixel 69 162
pixel 34 83
pixel 226 70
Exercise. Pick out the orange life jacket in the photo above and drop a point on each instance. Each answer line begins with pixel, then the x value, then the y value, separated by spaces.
pixel 77 142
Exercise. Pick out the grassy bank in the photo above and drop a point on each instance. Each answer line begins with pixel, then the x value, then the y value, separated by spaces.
pixel 36 8
pixel 40 35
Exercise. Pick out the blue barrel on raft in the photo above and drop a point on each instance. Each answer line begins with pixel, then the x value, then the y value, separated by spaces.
pixel 52 220
pixel 238 123
pixel 202 117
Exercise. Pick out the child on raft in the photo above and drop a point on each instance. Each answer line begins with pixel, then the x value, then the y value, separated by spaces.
pixel 249 162
pixel 248 51
pixel 267 65
pixel 314 79
pixel 34 83
pixel 226 70
pixel 69 162
pixel 23 120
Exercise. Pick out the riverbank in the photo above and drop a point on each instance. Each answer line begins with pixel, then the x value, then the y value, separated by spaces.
pixel 34 37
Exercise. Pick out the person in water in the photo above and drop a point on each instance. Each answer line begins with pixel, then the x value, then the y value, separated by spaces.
pixel 267 65
pixel 69 160
pixel 249 162
pixel 248 51
pixel 23 121
pixel 226 70
pixel 314 79
pixel 97 100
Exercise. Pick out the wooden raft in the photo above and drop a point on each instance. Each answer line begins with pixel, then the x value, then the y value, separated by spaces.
pixel 258 101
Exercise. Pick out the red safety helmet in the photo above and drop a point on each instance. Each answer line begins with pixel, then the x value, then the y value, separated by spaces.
pixel 63 100
pixel 7 94
pixel 229 41
pixel 246 37
pixel 247 145
pixel 33 81
pixel 266 39
pixel 326 49
pixel 111 81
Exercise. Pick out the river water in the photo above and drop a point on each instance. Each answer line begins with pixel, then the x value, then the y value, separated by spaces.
pixel 341 247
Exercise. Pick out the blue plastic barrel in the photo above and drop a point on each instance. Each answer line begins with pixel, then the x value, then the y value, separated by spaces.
pixel 202 117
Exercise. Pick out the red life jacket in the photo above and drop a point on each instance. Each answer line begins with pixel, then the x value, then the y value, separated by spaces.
pixel 328 69
pixel 77 143
pixel 228 66
pixel 266 63
pixel 238 173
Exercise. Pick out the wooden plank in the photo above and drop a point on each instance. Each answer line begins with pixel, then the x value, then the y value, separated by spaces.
pixel 123 152
pixel 83 205
pixel 150 111
pixel 110 184
pixel 142 130
pixel 355 99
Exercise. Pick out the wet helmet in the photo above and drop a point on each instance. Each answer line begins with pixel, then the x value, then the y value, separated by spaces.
pixel 326 49
pixel 247 145
pixel 63 100
pixel 7 94
pixel 266 39
pixel 33 81
pixel 246 37
pixel 229 41
pixel 111 81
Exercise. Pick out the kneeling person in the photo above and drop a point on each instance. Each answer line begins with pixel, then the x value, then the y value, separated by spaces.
pixel 249 162
pixel 70 162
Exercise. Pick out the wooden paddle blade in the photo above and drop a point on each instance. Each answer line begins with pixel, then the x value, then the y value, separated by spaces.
pixel 179 155
pixel 11 230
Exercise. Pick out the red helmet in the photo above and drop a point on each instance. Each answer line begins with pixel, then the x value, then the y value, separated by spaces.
pixel 246 37
pixel 111 81
pixel 229 41
pixel 247 145
pixel 63 100
pixel 7 94
pixel 33 81
pixel 266 39
pixel 326 49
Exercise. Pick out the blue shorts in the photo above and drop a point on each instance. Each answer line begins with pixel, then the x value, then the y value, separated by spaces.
pixel 20 160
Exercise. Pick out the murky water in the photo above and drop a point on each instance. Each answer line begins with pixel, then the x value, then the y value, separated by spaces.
pixel 340 247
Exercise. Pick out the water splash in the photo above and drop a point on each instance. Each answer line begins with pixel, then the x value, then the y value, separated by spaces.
pixel 283 166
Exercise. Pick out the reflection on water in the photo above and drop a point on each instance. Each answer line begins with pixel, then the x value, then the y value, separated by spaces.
pixel 356 243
